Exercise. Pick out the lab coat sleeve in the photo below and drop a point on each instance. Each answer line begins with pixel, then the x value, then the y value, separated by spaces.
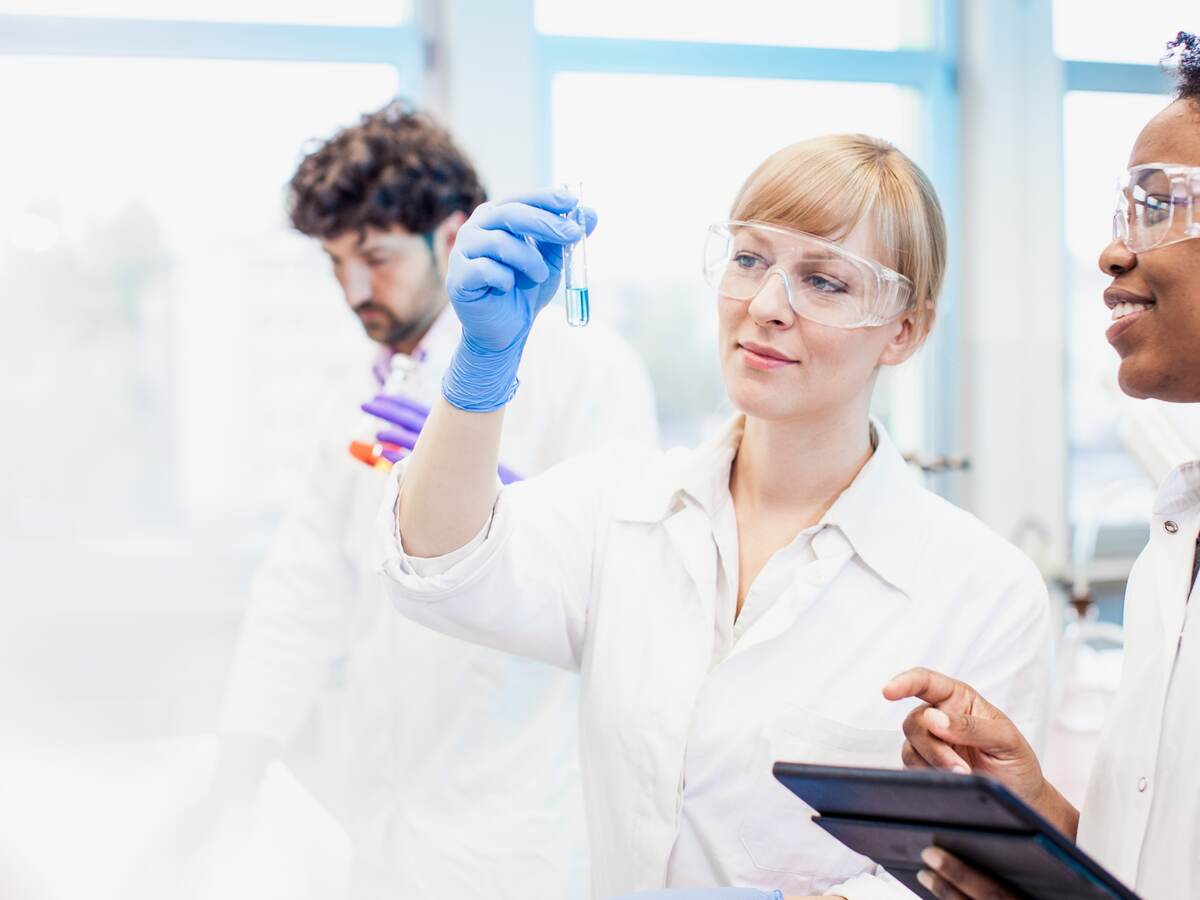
pixel 294 627
pixel 523 585
pixel 1011 663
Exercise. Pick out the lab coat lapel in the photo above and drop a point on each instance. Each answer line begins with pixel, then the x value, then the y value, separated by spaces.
pixel 682 628
pixel 690 534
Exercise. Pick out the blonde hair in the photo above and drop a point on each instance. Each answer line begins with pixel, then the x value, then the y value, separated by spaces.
pixel 827 185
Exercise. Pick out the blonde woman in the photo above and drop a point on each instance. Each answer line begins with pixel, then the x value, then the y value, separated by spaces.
pixel 738 603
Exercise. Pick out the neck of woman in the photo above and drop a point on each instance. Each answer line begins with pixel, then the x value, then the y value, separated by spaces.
pixel 796 469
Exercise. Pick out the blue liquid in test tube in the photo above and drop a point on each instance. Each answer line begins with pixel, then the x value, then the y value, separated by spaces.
pixel 575 268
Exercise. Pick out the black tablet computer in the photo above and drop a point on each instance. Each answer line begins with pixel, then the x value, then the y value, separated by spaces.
pixel 890 816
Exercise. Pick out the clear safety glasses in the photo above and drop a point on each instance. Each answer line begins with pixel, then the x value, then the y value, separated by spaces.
pixel 824 282
pixel 1156 206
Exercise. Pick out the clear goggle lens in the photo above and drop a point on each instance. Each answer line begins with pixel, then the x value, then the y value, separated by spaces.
pixel 1155 206
pixel 823 282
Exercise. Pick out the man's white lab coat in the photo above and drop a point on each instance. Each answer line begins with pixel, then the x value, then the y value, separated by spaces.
pixel 462 761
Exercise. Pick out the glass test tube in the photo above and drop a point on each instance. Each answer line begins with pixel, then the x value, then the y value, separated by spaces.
pixel 575 267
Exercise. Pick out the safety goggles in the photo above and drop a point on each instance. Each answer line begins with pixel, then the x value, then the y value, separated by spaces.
pixel 1156 206
pixel 823 281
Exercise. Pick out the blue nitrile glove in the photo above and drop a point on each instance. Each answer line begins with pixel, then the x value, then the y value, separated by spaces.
pixel 505 267
pixel 409 418
pixel 703 894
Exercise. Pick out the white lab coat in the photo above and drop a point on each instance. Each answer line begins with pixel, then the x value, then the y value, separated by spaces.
pixel 1141 816
pixel 462 761
pixel 623 566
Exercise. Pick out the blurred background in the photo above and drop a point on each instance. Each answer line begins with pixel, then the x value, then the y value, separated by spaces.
pixel 165 338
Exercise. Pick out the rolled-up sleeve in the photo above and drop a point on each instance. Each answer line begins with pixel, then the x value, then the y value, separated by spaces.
pixel 523 584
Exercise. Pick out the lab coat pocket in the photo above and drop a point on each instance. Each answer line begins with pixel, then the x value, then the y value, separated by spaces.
pixel 777 831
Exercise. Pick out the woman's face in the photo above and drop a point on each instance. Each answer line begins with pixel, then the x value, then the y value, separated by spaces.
pixel 779 366
pixel 1159 345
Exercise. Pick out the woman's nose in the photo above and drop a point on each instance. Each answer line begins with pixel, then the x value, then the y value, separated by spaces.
pixel 1117 259
pixel 772 304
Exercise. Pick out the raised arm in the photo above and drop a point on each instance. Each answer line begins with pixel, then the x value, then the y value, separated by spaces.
pixel 504 269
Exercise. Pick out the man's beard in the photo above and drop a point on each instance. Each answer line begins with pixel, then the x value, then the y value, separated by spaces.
pixel 389 330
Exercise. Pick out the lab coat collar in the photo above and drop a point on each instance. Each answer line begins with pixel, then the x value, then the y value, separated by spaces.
pixel 879 514
pixel 1180 491
pixel 698 476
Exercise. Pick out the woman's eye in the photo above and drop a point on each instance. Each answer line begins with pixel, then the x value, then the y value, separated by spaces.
pixel 825 285
pixel 1156 209
pixel 747 260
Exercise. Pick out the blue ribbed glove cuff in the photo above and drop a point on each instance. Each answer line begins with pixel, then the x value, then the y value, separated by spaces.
pixel 481 382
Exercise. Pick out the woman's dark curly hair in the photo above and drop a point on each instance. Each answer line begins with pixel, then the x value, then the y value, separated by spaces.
pixel 1183 54
pixel 395 167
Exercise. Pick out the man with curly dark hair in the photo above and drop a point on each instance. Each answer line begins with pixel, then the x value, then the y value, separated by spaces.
pixel 384 198
pixel 1141 815
pixel 458 763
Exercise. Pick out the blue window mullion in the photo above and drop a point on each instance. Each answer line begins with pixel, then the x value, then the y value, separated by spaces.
pixel 71 36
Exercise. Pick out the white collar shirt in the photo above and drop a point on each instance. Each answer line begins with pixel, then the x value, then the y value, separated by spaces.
pixel 623 566
pixel 1141 817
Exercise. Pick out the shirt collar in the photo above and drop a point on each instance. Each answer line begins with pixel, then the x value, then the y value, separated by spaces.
pixel 1180 491
pixel 699 475
pixel 878 513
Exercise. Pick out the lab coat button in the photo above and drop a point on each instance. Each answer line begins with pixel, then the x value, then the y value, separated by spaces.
pixel 1171 527
pixel 1142 783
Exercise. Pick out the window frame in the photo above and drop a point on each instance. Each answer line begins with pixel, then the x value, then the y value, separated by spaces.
pixel 1121 544
pixel 215 591
pixel 396 45
pixel 932 72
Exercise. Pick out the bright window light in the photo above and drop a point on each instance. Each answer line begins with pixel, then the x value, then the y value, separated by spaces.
pixel 345 12
pixel 860 24
pixel 1119 31
pixel 1099 130
pixel 661 158
pixel 162 322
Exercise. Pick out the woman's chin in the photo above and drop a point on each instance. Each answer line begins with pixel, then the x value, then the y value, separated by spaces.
pixel 760 402
pixel 1149 378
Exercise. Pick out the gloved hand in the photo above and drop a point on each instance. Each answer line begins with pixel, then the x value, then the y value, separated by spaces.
pixel 409 418
pixel 505 267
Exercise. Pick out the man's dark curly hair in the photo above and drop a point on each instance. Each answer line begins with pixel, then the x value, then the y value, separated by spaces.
pixel 395 167
pixel 1183 54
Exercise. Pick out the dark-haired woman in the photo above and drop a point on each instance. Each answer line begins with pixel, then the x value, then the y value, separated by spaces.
pixel 1141 817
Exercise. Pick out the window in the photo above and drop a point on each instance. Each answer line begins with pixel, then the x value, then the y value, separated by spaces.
pixel 347 12
pixel 1118 31
pixel 158 301
pixel 660 180
pixel 163 301
pixel 662 136
pixel 1114 86
pixel 861 24
pixel 1098 131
